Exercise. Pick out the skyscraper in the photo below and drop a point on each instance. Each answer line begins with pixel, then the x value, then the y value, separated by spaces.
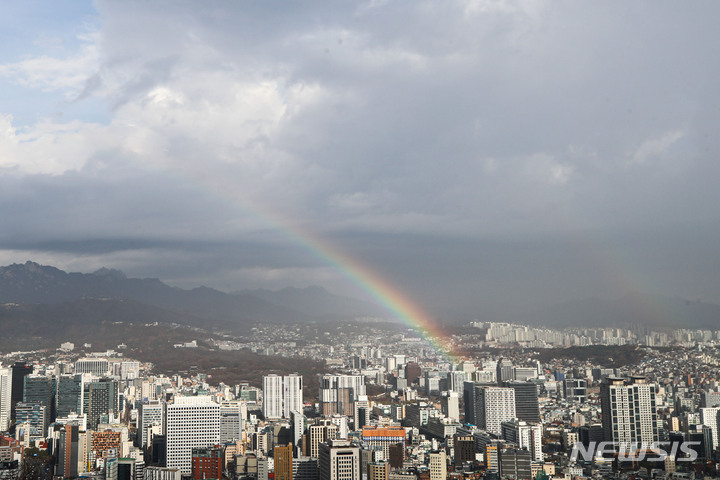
pixel 69 395
pixel 338 393
pixel 526 401
pixel 5 398
pixel 19 371
pixel 150 414
pixel 191 422
pixel 494 406
pixel 283 456
pixel 629 415
pixel 272 396
pixel 282 395
pixel 292 394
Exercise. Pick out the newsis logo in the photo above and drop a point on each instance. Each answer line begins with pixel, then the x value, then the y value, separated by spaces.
pixel 655 452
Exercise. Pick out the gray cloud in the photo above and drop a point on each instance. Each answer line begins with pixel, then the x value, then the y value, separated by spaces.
pixel 474 152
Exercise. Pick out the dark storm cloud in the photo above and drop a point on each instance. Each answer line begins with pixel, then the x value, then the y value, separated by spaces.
pixel 480 151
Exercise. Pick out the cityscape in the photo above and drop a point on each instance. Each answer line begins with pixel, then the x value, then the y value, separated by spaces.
pixel 390 406
pixel 366 240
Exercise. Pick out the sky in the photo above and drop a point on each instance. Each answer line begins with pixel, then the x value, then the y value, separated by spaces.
pixel 478 155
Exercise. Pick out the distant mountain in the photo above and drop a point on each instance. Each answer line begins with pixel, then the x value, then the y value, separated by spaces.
pixel 639 309
pixel 317 302
pixel 31 283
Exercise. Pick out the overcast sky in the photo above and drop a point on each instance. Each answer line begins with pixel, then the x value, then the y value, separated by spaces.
pixel 479 155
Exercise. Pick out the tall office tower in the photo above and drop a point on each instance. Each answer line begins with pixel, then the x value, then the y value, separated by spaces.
pixel 463 448
pixel 33 416
pixel 711 419
pixel 272 396
pixel 438 465
pixel 526 401
pixel 5 398
pixel 524 435
pixel 150 418
pixel 98 367
pixel 471 398
pixel 101 401
pixel 190 422
pixel 39 389
pixel 320 432
pixel 504 371
pixel 629 415
pixel 575 390
pixel 207 463
pixel 338 460
pixel 292 394
pixel 283 456
pixel 232 419
pixel 68 453
pixel 69 395
pixel 383 437
pixel 709 399
pixel 19 371
pixel 298 423
pixel 339 392
pixel 494 406
pixel 450 404
pixel 379 470
pixel 361 416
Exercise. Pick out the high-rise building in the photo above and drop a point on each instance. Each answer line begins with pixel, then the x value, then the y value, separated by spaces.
pixel 150 416
pixel 5 398
pixel 19 371
pixel 33 416
pixel 207 463
pixel 629 415
pixel 190 422
pixel 338 393
pixel 319 432
pixel 494 405
pixel 40 389
pixel 101 401
pixel 69 395
pixel 526 401
pixel 711 418
pixel 504 371
pixel 524 435
pixel 232 418
pixel 282 395
pixel 272 396
pixel 292 394
pixel 298 423
pixel 361 415
pixel 471 398
pixel 438 465
pixel 68 454
pixel 338 460
pixel 450 404
pixel 283 456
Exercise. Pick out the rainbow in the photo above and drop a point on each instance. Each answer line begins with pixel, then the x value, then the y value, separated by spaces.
pixel 380 290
